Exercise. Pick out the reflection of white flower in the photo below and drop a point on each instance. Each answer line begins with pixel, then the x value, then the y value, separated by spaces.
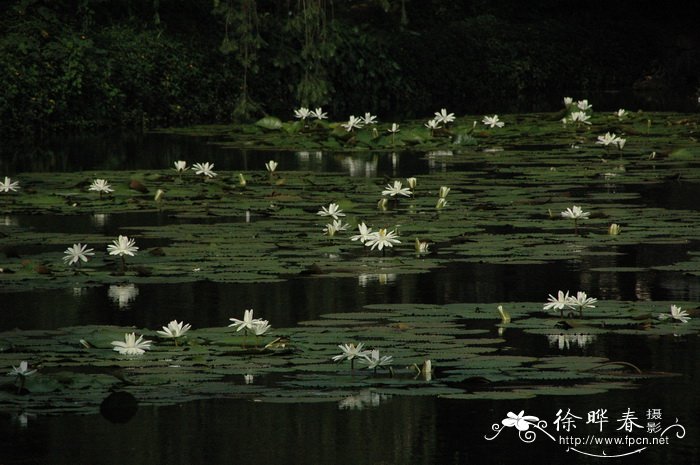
pixel 566 341
pixel 520 421
pixel 174 329
pixel 382 279
pixel 131 345
pixel 676 314
pixel 76 253
pixel 99 220
pixel 333 211
pixel 122 294
pixel 363 399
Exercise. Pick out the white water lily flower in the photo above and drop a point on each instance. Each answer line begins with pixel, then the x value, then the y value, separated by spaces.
pixel 583 105
pixel 580 117
pixel 76 253
pixel 181 166
pixel 369 119
pixel 353 123
pixel 350 351
pixel 607 139
pixel 131 345
pixel 374 360
pixel 364 235
pixel 412 182
pixel 422 247
pixel 334 227
pixel 205 169
pixel 492 121
pixel 575 213
pixel 621 113
pixel 174 329
pixel 302 113
pixel 676 314
pixel 246 323
pixel 443 117
pixel 620 142
pixel 444 190
pixel 382 238
pixel 101 186
pixel 123 246
pixel 271 166
pixel 568 101
pixel 9 185
pixel 559 302
pixel 394 128
pixel 21 370
pixel 329 230
pixel 318 113
pixel 261 327
pixel 581 301
pixel 432 124
pixel 396 189
pixel 333 211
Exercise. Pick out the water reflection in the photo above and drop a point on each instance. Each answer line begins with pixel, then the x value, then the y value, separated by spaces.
pixel 367 398
pixel 123 295
pixel 569 341
pixel 383 279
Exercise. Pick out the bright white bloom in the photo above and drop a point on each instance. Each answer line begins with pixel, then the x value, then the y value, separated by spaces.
pixel 559 302
pixel 77 252
pixel 9 185
pixel 131 345
pixel 568 101
pixel 271 166
pixel 261 327
pixel 520 421
pixel 364 235
pixel 100 185
pixel 181 166
pixel 302 113
pixel 21 370
pixel 614 229
pixel 373 360
pixel 336 226
pixel 575 213
pixel 329 230
pixel 123 246
pixel 333 211
pixel 204 168
pixel 444 190
pixel 620 142
pixel 412 182
pixel 350 351
pixel 580 117
pixel 492 121
pixel 607 139
pixel 432 124
pixel 394 128
pixel 583 105
pixel 369 119
pixel 382 238
pixel 319 113
pixel 353 123
pixel 621 113
pixel 676 314
pixel 443 117
pixel 581 301
pixel 175 329
pixel 396 189
pixel 247 323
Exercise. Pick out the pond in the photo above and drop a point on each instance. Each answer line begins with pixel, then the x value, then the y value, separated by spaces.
pixel 495 244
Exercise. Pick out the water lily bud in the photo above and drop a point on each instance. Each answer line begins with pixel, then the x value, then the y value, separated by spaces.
pixel 241 180
pixel 412 182
pixel 441 203
pixel 427 370
pixel 444 190
pixel 383 204
pixel 505 317
pixel 159 195
pixel 614 229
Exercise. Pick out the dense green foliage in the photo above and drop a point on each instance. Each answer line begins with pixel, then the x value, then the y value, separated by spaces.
pixel 96 63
